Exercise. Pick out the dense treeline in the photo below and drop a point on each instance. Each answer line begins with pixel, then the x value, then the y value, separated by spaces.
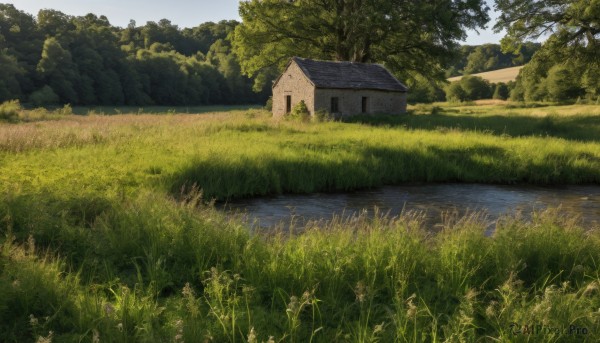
pixel 56 58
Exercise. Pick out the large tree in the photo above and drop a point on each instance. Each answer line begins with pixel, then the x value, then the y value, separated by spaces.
pixel 571 51
pixel 405 35
pixel 571 26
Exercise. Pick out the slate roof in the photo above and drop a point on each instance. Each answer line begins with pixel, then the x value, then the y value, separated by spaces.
pixel 349 75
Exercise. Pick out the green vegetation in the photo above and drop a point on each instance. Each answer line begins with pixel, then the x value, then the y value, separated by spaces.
pixel 105 235
pixel 55 58
pixel 272 32
pixel 489 57
pixel 567 66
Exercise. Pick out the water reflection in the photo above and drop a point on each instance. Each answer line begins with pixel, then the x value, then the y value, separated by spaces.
pixel 434 200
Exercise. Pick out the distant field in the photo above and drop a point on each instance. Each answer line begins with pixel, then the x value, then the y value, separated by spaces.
pixel 495 76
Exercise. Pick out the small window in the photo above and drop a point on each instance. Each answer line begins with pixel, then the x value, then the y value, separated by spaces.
pixel 365 104
pixel 288 103
pixel 335 105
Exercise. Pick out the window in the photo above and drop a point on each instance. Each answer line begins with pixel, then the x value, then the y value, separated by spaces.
pixel 335 108
pixel 288 103
pixel 365 104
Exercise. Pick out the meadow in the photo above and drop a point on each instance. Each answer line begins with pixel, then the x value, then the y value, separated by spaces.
pixel 109 234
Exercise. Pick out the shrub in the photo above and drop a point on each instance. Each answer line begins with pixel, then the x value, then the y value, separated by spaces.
pixel 9 110
pixel 501 91
pixel 65 110
pixel 44 96
pixel 562 84
pixel 300 111
pixel 455 92
pixel 269 104
pixel 322 116
pixel 476 87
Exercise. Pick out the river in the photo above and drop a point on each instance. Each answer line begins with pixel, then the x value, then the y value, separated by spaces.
pixel 433 201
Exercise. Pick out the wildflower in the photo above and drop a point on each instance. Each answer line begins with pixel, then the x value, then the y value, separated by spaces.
pixel 411 312
pixel 293 306
pixel 47 339
pixel 471 295
pixel 252 336
pixel 33 320
pixel 109 309
pixel 490 311
pixel 378 328
pixel 187 291
pixel 179 336
pixel 591 289
pixel 360 291
pixel 96 336
pixel 271 339
pixel 120 326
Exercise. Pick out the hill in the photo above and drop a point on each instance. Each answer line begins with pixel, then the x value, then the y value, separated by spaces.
pixel 495 76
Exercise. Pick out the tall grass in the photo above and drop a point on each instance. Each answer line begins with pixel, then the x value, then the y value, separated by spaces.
pixel 105 235
pixel 152 269
pixel 241 154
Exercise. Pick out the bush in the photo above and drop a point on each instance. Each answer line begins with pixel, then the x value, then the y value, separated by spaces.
pixel 501 91
pixel 44 96
pixel 9 110
pixel 300 111
pixel 562 84
pixel 455 92
pixel 269 104
pixel 322 116
pixel 65 110
pixel 476 87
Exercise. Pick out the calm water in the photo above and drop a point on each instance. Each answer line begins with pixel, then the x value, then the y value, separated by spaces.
pixel 433 201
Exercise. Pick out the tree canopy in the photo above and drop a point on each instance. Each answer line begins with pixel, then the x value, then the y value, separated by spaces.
pixel 572 26
pixel 408 36
pixel 84 60
pixel 568 64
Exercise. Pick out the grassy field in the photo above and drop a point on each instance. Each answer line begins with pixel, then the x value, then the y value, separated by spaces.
pixel 107 237
pixel 495 76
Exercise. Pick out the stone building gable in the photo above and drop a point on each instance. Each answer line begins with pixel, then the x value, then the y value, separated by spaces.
pixel 342 88
pixel 294 84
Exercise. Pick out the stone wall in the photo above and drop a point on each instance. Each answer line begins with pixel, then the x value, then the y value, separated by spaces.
pixel 350 101
pixel 292 82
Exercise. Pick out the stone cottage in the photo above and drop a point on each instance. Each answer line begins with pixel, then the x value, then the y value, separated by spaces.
pixel 340 88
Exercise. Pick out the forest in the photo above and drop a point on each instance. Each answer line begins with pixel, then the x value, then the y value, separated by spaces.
pixel 56 58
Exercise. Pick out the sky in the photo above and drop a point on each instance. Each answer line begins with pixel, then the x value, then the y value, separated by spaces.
pixel 184 13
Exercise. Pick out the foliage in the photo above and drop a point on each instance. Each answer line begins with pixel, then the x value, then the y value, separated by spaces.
pixel 44 96
pixel 501 91
pixel 269 104
pixel 561 84
pixel 300 111
pixel 571 47
pixel 9 110
pixel 424 90
pixel 84 60
pixel 455 92
pixel 274 31
pixel 469 88
pixel 104 234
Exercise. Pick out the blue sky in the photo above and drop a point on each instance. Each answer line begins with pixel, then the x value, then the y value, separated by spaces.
pixel 185 13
